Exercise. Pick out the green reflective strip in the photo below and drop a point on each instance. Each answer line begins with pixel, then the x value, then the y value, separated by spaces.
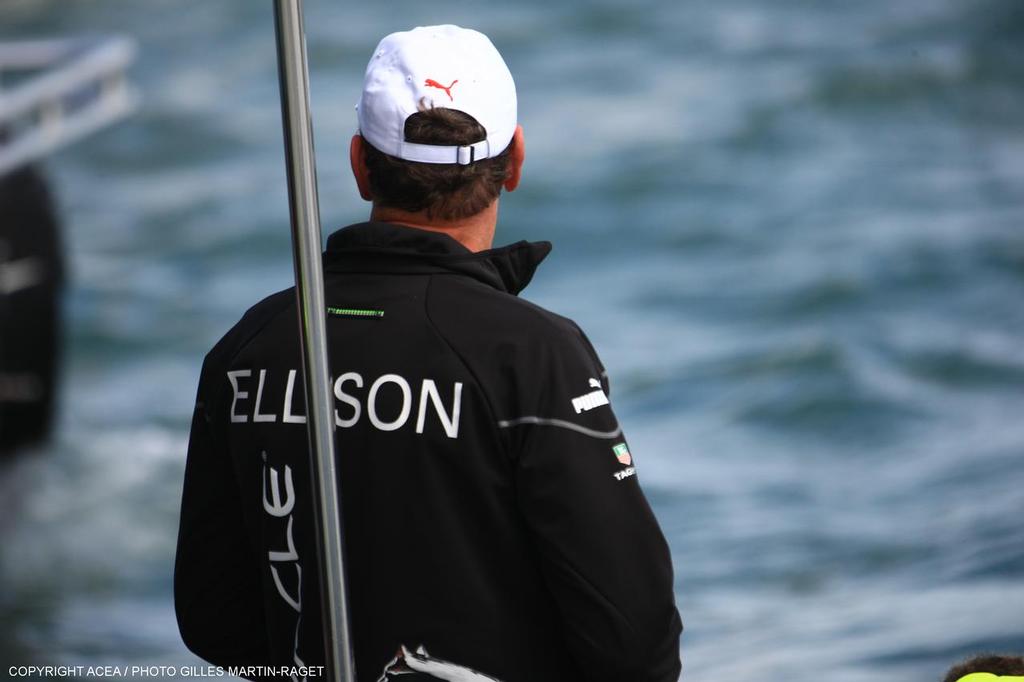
pixel 355 312
pixel 990 677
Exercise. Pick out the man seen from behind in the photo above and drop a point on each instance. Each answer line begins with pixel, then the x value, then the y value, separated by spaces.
pixel 494 526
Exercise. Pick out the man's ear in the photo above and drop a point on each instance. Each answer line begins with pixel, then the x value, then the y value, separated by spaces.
pixel 516 156
pixel 359 169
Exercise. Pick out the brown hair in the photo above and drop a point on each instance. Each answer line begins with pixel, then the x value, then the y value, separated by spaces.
pixel 997 665
pixel 444 191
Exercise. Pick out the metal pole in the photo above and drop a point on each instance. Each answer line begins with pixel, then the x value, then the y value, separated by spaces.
pixel 309 278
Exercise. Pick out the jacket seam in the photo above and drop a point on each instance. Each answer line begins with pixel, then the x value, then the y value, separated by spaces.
pixel 583 579
pixel 225 357
pixel 466 365
pixel 240 348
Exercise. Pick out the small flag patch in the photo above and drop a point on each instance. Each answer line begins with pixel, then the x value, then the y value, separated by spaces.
pixel 622 453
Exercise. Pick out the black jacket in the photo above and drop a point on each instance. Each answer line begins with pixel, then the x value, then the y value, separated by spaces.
pixel 491 510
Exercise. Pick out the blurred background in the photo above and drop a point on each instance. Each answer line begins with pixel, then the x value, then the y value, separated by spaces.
pixel 793 230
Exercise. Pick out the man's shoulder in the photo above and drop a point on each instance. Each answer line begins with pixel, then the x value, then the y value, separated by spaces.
pixel 492 318
pixel 255 320
pixel 517 350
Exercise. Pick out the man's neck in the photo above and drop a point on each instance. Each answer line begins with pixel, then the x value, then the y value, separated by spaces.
pixel 476 232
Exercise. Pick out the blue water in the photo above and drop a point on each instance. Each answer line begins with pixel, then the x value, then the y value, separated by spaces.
pixel 794 231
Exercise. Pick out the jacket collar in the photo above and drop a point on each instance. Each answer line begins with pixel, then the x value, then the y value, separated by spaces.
pixel 386 247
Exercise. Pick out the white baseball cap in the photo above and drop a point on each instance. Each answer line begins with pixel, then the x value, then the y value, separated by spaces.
pixel 439 66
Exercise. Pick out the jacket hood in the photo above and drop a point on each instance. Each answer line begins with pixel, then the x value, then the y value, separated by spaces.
pixel 386 247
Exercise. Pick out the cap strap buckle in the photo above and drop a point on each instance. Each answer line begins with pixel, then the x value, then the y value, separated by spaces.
pixel 467 154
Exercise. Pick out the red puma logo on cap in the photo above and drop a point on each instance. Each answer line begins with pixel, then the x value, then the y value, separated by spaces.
pixel 431 83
